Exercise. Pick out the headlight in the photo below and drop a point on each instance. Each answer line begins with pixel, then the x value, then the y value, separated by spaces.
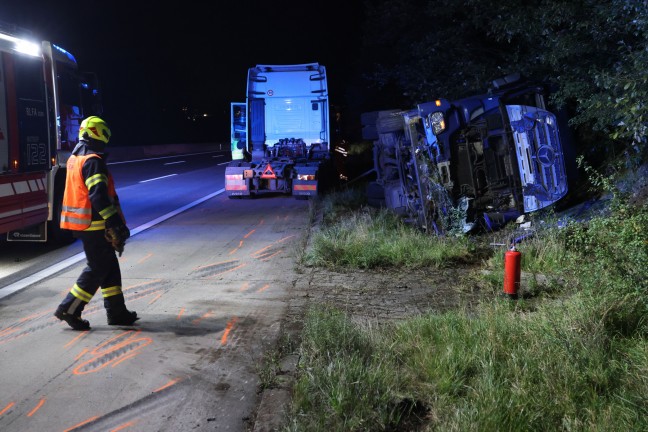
pixel 305 176
pixel 437 122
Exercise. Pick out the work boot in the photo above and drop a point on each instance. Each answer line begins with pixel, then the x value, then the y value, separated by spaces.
pixel 124 318
pixel 73 321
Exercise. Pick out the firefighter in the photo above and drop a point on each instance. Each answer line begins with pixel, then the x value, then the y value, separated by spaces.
pixel 91 210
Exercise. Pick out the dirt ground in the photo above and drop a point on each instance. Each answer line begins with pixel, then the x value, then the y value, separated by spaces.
pixel 388 295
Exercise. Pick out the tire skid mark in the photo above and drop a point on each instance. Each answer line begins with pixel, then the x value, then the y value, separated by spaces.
pixel 133 413
pixel 268 257
pixel 139 285
pixel 156 298
pixel 226 271
pixel 170 383
pixel 113 351
pixel 270 250
pixel 211 270
pixel 205 315
pixel 12 328
pixel 34 322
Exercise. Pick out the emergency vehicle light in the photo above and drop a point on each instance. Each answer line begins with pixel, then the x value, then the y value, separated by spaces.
pixel 28 48
pixel 69 56
pixel 22 46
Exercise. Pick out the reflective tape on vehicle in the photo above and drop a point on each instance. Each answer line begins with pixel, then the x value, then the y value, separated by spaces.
pixel 235 187
pixel 305 187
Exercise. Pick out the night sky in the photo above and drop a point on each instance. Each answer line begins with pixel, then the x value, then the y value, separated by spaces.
pixel 152 59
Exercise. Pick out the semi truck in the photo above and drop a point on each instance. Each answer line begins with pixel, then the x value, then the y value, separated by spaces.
pixel 478 162
pixel 43 98
pixel 281 133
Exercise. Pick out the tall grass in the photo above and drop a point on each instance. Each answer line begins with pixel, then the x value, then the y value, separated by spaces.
pixel 376 238
pixel 576 361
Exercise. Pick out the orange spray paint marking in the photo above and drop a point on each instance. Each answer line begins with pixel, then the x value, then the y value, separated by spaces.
pixel 124 426
pixel 113 351
pixel 270 256
pixel 237 248
pixel 227 271
pixel 155 298
pixel 263 288
pixel 36 315
pixel 142 284
pixel 249 234
pixel 228 329
pixel 145 258
pixel 205 315
pixel 82 334
pixel 7 408
pixel 78 425
pixel 36 408
pixel 167 385
pixel 245 286
pixel 8 330
pixel 81 354
pixel 180 313
pixel 214 265
pixel 261 250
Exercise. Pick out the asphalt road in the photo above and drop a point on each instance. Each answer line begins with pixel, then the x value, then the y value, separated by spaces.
pixel 209 280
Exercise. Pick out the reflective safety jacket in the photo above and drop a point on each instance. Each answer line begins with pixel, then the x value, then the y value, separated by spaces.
pixel 90 199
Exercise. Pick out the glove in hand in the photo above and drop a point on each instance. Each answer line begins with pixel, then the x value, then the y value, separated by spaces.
pixel 117 236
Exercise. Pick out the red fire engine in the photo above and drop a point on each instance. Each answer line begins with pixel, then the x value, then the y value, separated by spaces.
pixel 42 99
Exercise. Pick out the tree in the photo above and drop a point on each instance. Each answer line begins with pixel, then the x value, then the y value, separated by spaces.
pixel 594 51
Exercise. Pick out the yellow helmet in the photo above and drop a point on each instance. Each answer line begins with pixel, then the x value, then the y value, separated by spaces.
pixel 94 127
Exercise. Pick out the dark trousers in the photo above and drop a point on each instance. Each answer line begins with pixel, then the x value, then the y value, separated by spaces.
pixel 101 271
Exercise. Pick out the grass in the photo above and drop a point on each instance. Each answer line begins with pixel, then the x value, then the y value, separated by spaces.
pixel 576 361
pixel 367 238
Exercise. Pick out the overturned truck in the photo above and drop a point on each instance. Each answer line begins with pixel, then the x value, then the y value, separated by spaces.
pixel 474 163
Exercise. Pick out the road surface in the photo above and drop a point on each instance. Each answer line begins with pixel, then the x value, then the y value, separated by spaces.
pixel 210 285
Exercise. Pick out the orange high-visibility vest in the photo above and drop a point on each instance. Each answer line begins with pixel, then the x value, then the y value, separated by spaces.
pixel 76 214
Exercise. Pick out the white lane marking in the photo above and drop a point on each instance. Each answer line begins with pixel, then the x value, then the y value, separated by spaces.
pixel 173 163
pixel 159 158
pixel 158 178
pixel 49 271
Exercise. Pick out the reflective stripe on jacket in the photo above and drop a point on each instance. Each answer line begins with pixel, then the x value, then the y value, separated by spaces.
pixel 76 213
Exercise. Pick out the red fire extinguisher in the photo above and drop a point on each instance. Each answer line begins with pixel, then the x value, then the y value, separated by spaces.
pixel 512 272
